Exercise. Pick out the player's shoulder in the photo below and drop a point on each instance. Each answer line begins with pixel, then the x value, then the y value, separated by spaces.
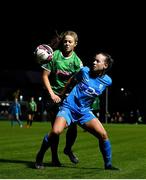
pixel 107 79
pixel 76 56
pixel 56 53
pixel 47 66
pixel 85 69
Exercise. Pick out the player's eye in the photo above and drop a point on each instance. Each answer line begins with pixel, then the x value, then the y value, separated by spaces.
pixel 97 60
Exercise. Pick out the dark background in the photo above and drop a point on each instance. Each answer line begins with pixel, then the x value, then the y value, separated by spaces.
pixel 114 27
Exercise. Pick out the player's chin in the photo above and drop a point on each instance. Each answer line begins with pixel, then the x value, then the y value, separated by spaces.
pixel 92 69
pixel 68 49
pixel 93 72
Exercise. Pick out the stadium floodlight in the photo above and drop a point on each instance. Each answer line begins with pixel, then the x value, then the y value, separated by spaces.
pixel 21 98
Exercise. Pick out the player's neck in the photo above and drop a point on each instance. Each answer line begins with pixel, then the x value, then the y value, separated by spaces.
pixel 67 54
pixel 95 74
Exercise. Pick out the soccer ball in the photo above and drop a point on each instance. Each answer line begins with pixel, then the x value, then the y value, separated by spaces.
pixel 43 53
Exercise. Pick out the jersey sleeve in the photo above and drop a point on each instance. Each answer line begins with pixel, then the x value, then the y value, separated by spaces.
pixel 79 75
pixel 107 80
pixel 50 65
pixel 78 63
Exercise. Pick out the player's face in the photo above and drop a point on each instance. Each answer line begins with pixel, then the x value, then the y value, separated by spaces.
pixel 99 63
pixel 68 43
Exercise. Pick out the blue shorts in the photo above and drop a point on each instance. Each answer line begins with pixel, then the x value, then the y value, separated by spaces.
pixel 72 116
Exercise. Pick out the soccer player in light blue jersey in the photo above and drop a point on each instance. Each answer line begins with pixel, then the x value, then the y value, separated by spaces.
pixel 76 107
pixel 15 113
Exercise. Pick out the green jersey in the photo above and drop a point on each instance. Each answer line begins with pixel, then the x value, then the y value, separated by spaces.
pixel 32 106
pixel 62 68
pixel 96 104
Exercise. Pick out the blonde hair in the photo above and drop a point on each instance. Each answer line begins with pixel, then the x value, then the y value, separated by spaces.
pixel 57 39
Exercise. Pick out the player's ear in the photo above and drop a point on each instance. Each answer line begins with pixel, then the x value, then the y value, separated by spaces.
pixel 105 66
pixel 76 43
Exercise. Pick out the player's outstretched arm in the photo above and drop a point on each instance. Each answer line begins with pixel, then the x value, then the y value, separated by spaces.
pixel 69 86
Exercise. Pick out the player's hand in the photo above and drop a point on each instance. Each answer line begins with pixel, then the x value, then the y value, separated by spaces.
pixel 55 98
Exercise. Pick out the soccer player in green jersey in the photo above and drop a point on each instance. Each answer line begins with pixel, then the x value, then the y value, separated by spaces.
pixel 56 73
pixel 32 108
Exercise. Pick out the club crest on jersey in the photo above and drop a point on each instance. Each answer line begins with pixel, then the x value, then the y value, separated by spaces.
pixel 71 65
pixel 100 87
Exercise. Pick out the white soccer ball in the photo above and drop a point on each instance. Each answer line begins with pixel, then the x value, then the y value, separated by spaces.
pixel 43 53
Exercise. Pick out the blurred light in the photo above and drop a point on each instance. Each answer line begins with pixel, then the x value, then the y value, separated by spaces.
pixel 21 97
pixel 40 98
pixel 5 104
pixel 122 89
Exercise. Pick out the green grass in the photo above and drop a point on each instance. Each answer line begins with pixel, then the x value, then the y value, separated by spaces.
pixel 18 148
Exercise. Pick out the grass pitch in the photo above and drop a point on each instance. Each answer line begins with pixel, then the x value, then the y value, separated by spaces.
pixel 18 148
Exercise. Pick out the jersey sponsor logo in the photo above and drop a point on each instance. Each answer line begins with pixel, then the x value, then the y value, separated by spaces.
pixel 88 90
pixel 64 73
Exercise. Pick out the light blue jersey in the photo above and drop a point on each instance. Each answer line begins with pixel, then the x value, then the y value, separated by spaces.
pixel 15 108
pixel 78 103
